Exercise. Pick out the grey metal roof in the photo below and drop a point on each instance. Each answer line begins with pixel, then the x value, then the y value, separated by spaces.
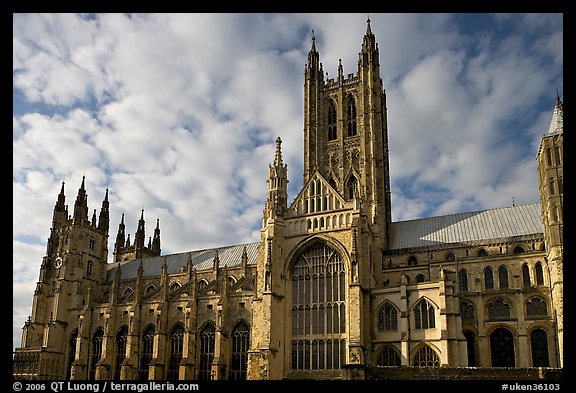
pixel 229 256
pixel 465 228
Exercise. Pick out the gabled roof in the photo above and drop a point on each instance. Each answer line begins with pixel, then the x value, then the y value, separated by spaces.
pixel 467 228
pixel 229 256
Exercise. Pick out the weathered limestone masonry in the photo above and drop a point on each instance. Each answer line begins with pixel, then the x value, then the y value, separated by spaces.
pixel 333 289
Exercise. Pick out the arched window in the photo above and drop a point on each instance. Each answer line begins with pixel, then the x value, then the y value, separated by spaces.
pixel 176 350
pixel 498 309
pixel 536 307
pixel 412 261
pixel 332 134
pixel 89 267
pixel 175 286
pixel 539 346
pixel 127 292
pixel 503 276
pixel 463 280
pixel 502 348
pixel 147 351
pixel 420 278
pixel 426 357
pixel 518 250
pixel 351 117
pixel 207 339
pixel 96 351
pixel 470 345
pixel 466 311
pixel 388 357
pixel 318 309
pixel 202 283
pixel 352 187
pixel 526 276
pixel 450 257
pixel 424 315
pixel 71 352
pixel 240 346
pixel 482 253
pixel 121 339
pixel 539 274
pixel 388 318
pixel 488 278
pixel 149 289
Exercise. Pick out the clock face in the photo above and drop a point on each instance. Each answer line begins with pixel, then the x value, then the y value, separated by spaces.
pixel 58 263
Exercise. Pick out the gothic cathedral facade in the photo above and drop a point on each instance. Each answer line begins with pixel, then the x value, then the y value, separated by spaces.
pixel 333 288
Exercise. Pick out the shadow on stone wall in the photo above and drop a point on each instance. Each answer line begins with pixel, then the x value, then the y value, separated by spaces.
pixel 462 373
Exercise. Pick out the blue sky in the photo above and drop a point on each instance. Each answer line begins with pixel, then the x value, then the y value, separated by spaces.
pixel 177 114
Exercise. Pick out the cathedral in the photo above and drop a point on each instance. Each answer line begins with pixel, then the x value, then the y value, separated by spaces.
pixel 334 289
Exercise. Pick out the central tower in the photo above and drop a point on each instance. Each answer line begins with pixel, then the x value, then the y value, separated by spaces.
pixel 345 132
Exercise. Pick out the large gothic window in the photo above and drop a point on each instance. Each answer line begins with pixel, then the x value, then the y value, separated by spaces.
pixel 207 340
pixel 121 339
pixel 351 117
pixel 318 310
pixel 388 357
pixel 539 344
pixel 96 351
pixel 388 318
pixel 502 348
pixel 332 135
pixel 426 357
pixel 240 342
pixel 424 315
pixel 147 351
pixel 176 349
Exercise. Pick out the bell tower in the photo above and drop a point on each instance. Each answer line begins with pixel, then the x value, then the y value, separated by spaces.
pixel 345 132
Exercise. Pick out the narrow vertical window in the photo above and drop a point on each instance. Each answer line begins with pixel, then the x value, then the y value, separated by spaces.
pixel 96 352
pixel 539 274
pixel 503 276
pixel 176 350
pixel 488 278
pixel 332 134
pixel 207 340
pixel 121 339
pixel 463 278
pixel 240 345
pixel 147 352
pixel 526 276
pixel 539 346
pixel 351 117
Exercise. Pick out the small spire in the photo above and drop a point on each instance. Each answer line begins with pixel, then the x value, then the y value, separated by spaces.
pixel 368 29
pixel 278 156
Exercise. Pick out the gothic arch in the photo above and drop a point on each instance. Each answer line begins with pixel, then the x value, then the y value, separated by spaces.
pixel 310 241
pixel 388 355
pixel 422 346
pixel 387 319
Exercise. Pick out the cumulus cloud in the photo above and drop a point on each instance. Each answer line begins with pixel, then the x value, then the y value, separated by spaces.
pixel 177 114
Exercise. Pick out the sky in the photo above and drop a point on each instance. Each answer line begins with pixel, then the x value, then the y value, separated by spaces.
pixel 177 114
